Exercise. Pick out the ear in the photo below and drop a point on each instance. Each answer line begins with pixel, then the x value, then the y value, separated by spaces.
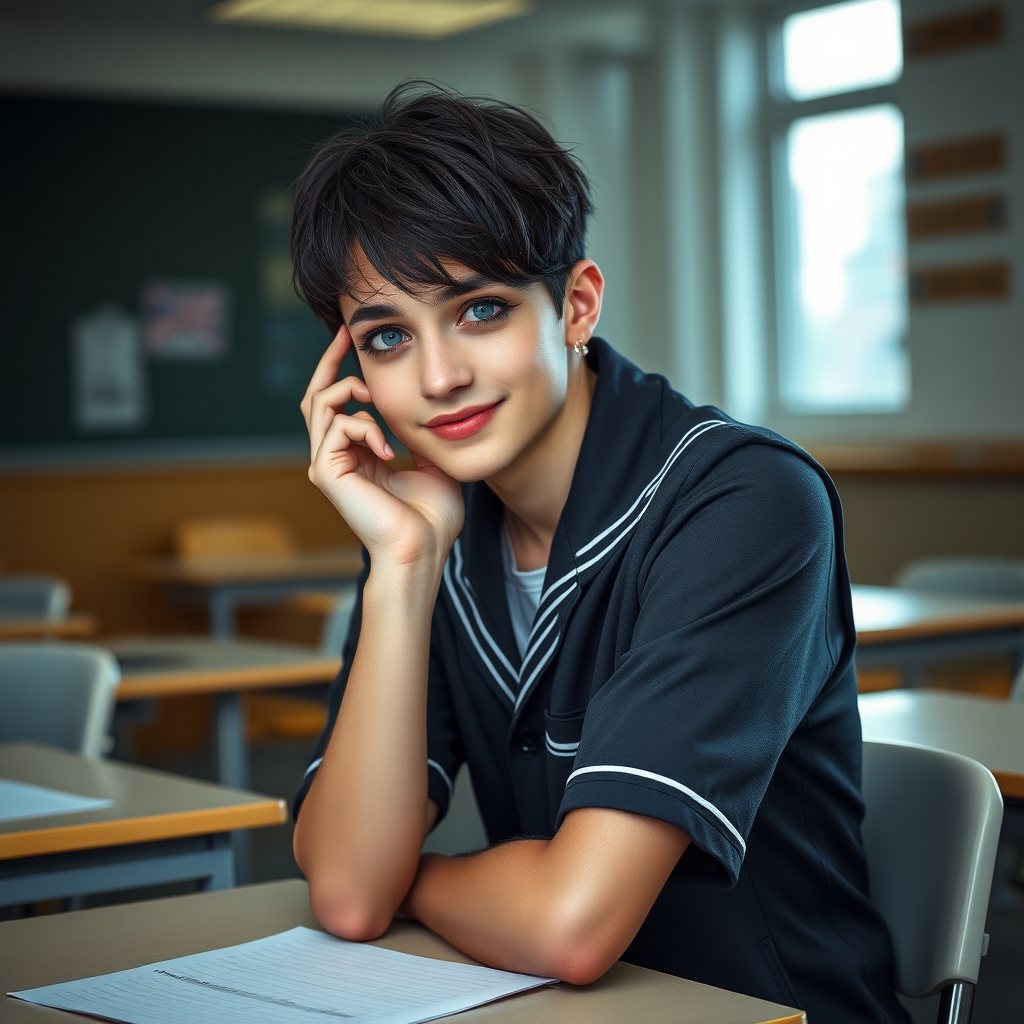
pixel 583 295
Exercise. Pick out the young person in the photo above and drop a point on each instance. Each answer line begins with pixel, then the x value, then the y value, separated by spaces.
pixel 630 616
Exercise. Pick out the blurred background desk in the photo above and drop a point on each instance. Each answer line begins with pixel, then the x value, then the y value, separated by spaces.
pixel 908 629
pixel 159 828
pixel 225 584
pixel 73 627
pixel 181 666
pixel 45 951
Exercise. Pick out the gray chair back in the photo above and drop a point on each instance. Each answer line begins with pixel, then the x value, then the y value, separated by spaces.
pixel 34 596
pixel 979 577
pixel 59 694
pixel 335 628
pixel 930 831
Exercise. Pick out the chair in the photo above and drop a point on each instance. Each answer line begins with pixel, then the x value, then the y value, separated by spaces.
pixel 979 577
pixel 930 832
pixel 233 537
pixel 33 596
pixel 59 694
pixel 335 627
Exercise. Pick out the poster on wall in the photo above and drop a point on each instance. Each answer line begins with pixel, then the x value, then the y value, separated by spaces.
pixel 185 320
pixel 109 382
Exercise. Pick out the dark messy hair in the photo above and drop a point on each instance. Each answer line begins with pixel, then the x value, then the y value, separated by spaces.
pixel 438 177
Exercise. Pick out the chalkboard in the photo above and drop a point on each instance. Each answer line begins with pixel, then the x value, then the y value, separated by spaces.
pixel 100 199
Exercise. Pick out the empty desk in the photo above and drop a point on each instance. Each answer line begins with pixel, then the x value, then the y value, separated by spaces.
pixel 226 584
pixel 18 627
pixel 154 667
pixel 159 828
pixel 908 629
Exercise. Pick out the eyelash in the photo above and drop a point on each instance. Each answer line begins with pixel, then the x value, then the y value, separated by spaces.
pixel 503 309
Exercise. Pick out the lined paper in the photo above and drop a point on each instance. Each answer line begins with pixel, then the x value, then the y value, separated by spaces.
pixel 24 800
pixel 300 976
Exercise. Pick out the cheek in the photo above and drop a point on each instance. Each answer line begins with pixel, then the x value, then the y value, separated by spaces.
pixel 390 397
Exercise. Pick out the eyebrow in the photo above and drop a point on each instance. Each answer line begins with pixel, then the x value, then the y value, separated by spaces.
pixel 383 311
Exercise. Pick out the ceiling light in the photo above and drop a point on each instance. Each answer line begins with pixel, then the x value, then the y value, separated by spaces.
pixel 424 18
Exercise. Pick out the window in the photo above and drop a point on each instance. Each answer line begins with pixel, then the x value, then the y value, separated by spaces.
pixel 842 257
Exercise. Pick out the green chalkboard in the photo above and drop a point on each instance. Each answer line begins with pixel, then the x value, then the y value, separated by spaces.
pixel 97 199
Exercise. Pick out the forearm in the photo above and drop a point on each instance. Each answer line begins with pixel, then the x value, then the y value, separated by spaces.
pixel 362 824
pixel 567 907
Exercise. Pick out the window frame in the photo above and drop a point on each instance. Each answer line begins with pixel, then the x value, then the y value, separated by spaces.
pixel 780 111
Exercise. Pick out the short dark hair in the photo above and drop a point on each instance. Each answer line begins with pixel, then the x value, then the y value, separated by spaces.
pixel 435 176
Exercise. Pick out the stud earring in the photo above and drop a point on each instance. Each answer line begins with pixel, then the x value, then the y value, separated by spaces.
pixel 580 347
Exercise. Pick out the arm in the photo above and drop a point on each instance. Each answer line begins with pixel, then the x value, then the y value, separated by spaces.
pixel 358 837
pixel 566 907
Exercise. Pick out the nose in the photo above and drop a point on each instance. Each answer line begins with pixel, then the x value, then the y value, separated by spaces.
pixel 443 369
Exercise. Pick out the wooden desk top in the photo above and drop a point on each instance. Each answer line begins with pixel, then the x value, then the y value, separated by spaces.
pixel 148 805
pixel 13 627
pixel 63 947
pixel 989 730
pixel 174 666
pixel 889 614
pixel 214 572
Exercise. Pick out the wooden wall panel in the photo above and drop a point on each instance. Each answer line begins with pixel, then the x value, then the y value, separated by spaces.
pixel 88 527
pixel 982 155
pixel 962 31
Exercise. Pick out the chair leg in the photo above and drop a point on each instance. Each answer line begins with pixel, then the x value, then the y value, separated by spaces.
pixel 956 1003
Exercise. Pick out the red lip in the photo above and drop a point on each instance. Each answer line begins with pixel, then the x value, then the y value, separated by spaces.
pixel 465 422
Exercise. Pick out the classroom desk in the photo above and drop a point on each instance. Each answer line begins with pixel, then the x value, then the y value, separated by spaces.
pixel 225 584
pixel 181 666
pixel 908 629
pixel 989 730
pixel 46 950
pixel 161 828
pixel 16 627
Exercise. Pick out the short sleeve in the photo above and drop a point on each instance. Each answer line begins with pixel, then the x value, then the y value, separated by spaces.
pixel 732 644
pixel 443 745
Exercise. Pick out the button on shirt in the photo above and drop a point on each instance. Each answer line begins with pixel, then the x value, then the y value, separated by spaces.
pixel 690 659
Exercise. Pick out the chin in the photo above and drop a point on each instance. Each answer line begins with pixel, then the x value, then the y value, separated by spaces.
pixel 471 462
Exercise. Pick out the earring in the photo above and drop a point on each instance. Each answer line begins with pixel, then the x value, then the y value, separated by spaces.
pixel 580 347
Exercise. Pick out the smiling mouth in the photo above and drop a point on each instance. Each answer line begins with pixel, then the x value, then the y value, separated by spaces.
pixel 464 423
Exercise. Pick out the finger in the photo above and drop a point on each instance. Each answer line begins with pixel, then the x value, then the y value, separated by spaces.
pixel 348 430
pixel 326 372
pixel 364 415
pixel 326 404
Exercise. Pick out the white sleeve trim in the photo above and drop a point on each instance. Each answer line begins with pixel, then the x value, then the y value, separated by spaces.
pixel 312 768
pixel 696 797
pixel 431 763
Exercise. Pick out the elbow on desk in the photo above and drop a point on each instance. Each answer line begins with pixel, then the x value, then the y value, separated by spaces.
pixel 348 914
pixel 574 952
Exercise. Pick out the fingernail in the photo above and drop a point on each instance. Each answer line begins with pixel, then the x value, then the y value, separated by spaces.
pixel 387 450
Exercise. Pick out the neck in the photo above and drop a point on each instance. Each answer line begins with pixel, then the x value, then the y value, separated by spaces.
pixel 535 487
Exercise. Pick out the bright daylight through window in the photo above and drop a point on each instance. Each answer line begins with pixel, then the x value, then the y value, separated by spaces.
pixel 844 301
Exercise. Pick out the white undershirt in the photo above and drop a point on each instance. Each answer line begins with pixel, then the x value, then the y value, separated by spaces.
pixel 522 590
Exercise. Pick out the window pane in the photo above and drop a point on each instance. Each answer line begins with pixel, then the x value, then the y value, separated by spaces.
pixel 845 307
pixel 842 47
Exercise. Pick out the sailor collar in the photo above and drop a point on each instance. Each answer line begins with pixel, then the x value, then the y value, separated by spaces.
pixel 625 454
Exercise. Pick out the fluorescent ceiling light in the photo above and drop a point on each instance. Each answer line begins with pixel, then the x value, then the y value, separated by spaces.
pixel 424 18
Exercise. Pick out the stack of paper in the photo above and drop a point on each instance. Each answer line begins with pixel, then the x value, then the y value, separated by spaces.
pixel 24 800
pixel 299 976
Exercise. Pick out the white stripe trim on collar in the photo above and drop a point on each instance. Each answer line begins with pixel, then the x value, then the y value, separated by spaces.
pixel 472 636
pixel 665 781
pixel 312 768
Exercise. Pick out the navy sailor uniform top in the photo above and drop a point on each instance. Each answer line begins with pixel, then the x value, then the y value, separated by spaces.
pixel 691 660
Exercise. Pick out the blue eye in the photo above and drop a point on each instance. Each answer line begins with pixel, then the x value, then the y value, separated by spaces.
pixel 387 337
pixel 481 311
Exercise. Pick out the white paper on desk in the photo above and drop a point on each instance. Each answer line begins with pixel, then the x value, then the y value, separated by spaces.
pixel 23 800
pixel 297 977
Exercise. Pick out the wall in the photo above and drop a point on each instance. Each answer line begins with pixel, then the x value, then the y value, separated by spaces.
pixel 90 526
